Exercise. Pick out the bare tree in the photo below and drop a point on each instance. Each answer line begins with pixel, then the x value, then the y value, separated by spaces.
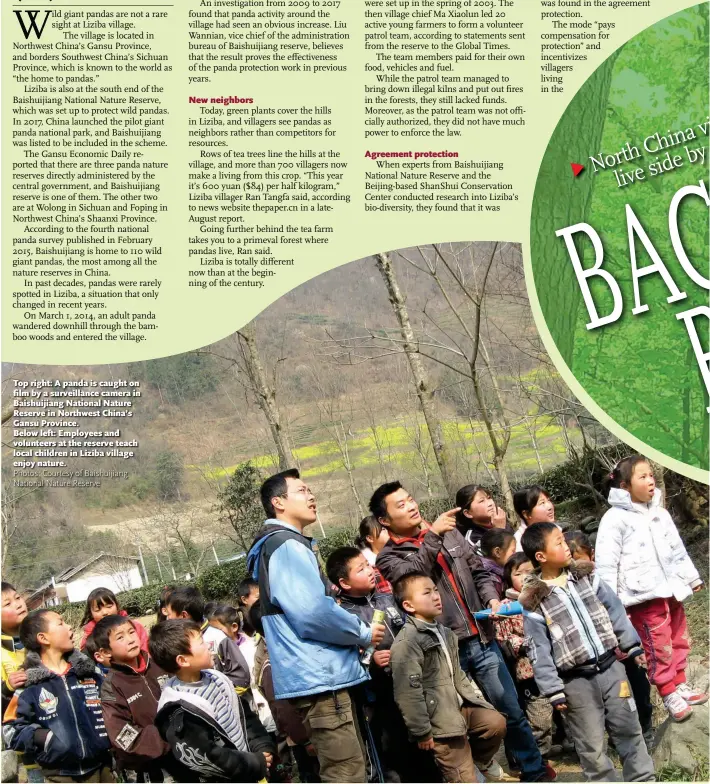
pixel 118 568
pixel 336 410
pixel 425 392
pixel 265 394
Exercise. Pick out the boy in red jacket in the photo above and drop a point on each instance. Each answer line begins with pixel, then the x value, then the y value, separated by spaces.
pixel 129 698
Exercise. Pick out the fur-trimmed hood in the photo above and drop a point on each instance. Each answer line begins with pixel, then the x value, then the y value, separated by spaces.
pixel 535 589
pixel 37 672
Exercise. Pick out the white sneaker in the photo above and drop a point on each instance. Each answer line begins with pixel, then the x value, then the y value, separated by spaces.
pixel 677 707
pixel 494 772
pixel 690 695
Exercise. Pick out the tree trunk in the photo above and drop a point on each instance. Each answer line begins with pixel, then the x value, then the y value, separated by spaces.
pixel 421 382
pixel 266 396
pixel 499 449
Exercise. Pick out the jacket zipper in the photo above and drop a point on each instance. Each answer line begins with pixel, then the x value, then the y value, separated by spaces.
pixel 461 612
pixel 149 689
pixel 584 626
pixel 76 722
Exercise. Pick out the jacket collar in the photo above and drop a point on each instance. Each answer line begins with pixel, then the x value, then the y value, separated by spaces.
pixel 144 659
pixel 358 600
pixel 428 637
pixel 622 500
pixel 81 665
pixel 535 589
pixel 492 566
pixel 10 643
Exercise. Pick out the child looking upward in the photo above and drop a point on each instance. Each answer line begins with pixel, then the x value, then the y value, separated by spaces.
pixel 575 623
pixel 640 554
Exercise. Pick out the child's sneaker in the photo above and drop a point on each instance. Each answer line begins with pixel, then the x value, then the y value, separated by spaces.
pixel 690 695
pixel 677 707
pixel 494 772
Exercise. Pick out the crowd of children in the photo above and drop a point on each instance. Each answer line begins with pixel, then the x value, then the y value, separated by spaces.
pixel 468 636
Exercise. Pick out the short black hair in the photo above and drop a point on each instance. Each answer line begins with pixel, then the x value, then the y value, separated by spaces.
pixel 187 599
pixel 255 614
pixel 525 500
pixel 495 537
pixel 515 560
pixel 7 587
pixel 378 500
pixel 464 498
pixel 401 587
pixel 245 587
pixel 225 614
pixel 33 624
pixel 170 639
pixel 275 486
pixel 578 540
pixel 102 630
pixel 337 566
pixel 90 647
pixel 534 538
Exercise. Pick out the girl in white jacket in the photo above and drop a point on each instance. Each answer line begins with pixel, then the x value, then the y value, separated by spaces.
pixel 640 554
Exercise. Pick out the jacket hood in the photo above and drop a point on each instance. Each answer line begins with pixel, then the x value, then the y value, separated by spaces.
pixel 81 664
pixel 171 699
pixel 270 526
pixel 535 589
pixel 621 499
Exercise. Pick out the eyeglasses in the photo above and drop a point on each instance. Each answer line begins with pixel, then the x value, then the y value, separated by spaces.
pixel 306 491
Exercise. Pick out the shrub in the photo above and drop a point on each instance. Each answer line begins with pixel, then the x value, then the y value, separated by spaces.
pixel 431 508
pixel 335 538
pixel 220 582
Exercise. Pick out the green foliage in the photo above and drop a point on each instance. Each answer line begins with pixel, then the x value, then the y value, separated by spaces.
pixel 168 475
pixel 239 503
pixel 179 378
pixel 72 613
pixel 431 508
pixel 335 538
pixel 656 82
pixel 143 601
pixel 220 582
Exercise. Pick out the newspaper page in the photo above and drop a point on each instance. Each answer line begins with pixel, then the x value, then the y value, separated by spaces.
pixel 442 256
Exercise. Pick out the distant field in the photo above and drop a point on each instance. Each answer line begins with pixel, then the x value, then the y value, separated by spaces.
pixel 396 443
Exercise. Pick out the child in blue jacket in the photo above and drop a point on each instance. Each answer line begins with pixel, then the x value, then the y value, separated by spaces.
pixel 57 716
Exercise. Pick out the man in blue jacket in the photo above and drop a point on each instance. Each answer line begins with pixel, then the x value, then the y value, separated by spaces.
pixel 314 645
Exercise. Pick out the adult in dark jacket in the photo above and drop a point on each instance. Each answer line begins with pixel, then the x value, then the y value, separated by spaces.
pixel 441 552
pixel 188 725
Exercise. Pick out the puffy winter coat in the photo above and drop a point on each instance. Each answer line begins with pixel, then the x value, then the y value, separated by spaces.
pixel 58 717
pixel 639 552
pixel 574 630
